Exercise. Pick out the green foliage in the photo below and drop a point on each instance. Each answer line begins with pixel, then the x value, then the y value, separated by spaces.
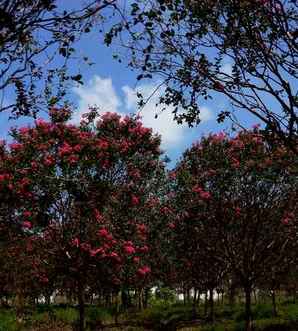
pixel 8 321
pixel 163 313
pixel 98 314
pixel 259 311
pixel 160 315
pixel 67 315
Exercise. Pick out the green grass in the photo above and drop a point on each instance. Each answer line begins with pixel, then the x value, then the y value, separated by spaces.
pixel 8 321
pixel 159 315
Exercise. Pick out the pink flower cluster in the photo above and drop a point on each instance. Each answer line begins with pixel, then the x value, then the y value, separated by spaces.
pixel 204 195
pixel 143 271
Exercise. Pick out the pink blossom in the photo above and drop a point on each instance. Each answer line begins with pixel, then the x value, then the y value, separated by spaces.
pixel 34 165
pixel 27 213
pixel 27 225
pixel 65 149
pixel 205 195
pixel 103 233
pixel 171 225
pixel 41 122
pixel 15 146
pixel 102 144
pixel 25 181
pixel 136 259
pixel 124 146
pixel 94 252
pixel 143 271
pixel 135 200
pixel 49 161
pixel 98 216
pixel 42 147
pixel 172 175
pixel 73 159
pixel 135 173
pixel 44 279
pixel 24 130
pixel 237 143
pixel 235 162
pixel 219 137
pixel 85 247
pixel 115 256
pixel 144 249
pixel 129 249
pixel 4 177
pixel 197 189
pixel 77 148
pixel 238 211
pixel 286 220
pixel 142 228
pixel 75 242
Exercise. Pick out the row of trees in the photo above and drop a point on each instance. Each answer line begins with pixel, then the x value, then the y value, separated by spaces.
pixel 92 209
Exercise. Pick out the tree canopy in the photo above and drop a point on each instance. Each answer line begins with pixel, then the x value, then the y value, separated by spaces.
pixel 36 43
pixel 243 50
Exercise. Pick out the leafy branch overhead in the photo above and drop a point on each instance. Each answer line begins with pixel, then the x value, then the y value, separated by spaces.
pixel 36 44
pixel 245 51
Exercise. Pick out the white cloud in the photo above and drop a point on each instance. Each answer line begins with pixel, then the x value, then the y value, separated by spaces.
pixel 100 91
pixel 172 133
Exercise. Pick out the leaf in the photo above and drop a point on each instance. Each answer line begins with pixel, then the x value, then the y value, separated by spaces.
pixel 77 77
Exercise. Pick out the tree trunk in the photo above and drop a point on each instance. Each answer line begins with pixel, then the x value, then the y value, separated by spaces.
pixel 47 299
pixel 188 295
pixel 81 302
pixel 146 297
pixel 274 310
pixel 19 305
pixel 140 299
pixel 206 303
pixel 248 314
pixel 194 305
pixel 184 297
pixel 232 295
pixel 255 297
pixel 211 306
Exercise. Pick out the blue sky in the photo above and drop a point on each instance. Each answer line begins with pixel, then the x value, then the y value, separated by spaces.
pixel 112 86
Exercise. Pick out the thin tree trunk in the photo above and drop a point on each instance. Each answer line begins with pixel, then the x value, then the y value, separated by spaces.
pixel 206 303
pixel 19 306
pixel 248 314
pixel 140 299
pixel 255 297
pixel 211 305
pixel 48 299
pixel 81 302
pixel 232 295
pixel 274 310
pixel 188 295
pixel 146 297
pixel 194 305
pixel 184 297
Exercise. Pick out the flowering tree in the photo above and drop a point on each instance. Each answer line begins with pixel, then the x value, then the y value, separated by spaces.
pixel 77 189
pixel 237 198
